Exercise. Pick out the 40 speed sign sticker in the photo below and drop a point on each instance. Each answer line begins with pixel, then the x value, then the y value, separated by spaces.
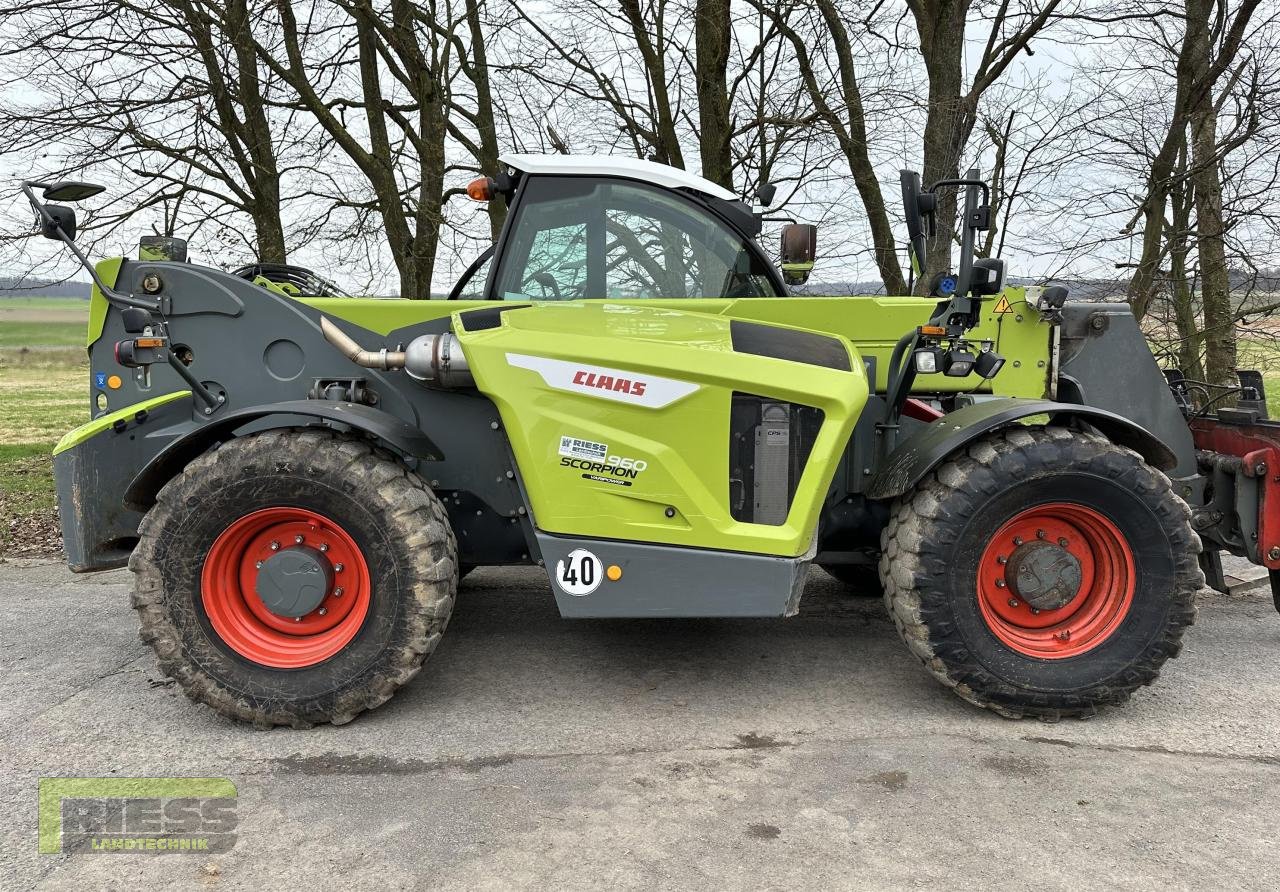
pixel 580 573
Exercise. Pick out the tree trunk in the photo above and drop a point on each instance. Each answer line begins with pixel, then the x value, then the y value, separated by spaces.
pixel 1184 309
pixel 664 140
pixel 1215 279
pixel 850 132
pixel 264 181
pixel 485 126
pixel 949 118
pixel 1199 66
pixel 242 118
pixel 713 34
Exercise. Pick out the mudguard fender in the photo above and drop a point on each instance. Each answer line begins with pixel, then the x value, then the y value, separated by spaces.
pixel 921 453
pixel 389 430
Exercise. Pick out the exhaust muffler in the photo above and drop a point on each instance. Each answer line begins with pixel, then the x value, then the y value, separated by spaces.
pixel 436 360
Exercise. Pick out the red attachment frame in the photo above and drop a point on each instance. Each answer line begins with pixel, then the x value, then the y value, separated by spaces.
pixel 1258 448
pixel 920 410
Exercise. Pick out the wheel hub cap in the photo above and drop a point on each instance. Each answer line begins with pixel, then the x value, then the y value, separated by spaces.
pixel 1056 580
pixel 285 587
pixel 1044 575
pixel 295 581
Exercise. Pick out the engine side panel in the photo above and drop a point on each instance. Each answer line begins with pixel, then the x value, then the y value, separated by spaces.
pixel 621 418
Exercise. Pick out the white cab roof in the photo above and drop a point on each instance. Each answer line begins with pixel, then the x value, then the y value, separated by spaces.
pixel 616 166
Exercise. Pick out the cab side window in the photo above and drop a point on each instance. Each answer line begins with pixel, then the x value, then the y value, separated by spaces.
pixel 658 245
pixel 620 240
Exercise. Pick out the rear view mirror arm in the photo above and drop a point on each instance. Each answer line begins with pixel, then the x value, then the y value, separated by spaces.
pixel 112 296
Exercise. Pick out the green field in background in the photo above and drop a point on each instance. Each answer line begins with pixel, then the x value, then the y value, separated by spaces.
pixel 43 394
pixel 41 334
pixel 41 322
pixel 43 303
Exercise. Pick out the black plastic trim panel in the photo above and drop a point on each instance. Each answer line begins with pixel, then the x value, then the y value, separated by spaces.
pixel 789 344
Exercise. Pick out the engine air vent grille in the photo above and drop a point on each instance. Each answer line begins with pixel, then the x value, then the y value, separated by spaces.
pixel 788 344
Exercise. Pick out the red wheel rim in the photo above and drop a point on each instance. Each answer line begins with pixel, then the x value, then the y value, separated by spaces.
pixel 242 620
pixel 1100 605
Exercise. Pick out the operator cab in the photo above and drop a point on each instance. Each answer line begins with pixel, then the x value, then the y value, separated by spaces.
pixel 616 228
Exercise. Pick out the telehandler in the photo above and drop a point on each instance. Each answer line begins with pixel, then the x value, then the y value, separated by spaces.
pixel 623 391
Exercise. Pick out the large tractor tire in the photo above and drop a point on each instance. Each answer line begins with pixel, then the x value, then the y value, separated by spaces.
pixel 1042 572
pixel 294 577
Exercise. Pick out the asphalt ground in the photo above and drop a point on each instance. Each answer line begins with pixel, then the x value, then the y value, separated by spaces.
pixel 534 752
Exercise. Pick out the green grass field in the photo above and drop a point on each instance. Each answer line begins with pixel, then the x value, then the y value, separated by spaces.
pixel 20 333
pixel 43 394
pixel 59 304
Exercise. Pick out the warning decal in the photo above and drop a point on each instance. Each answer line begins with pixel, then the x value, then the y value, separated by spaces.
pixel 1003 306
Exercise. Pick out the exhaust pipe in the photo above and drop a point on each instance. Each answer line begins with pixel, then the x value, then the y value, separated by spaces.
pixel 382 359
pixel 435 360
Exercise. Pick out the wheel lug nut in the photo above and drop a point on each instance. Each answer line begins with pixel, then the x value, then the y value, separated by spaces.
pixel 297 619
pixel 1017 540
pixel 298 540
pixel 258 564
pixel 275 546
pixel 324 547
pixel 1062 543
pixel 1035 610
pixel 1000 583
pixel 1039 534
pixel 1002 560
pixel 322 611
pixel 337 592
pixel 337 568
pixel 1013 602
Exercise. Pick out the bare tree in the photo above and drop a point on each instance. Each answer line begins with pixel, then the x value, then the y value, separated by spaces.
pixel 713 42
pixel 952 107
pixel 838 102
pixel 186 111
pixel 1201 61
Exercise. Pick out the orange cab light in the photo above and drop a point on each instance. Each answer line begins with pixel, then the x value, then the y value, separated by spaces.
pixel 933 330
pixel 480 190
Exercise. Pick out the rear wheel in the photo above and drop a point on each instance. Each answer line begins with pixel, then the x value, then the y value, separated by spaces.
pixel 294 577
pixel 1042 572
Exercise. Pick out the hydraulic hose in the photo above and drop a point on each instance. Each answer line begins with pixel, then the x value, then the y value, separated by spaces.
pixel 898 371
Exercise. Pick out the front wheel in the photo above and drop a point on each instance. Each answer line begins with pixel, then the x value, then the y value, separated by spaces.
pixel 1042 572
pixel 294 577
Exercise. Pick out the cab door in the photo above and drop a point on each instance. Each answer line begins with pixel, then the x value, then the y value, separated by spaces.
pixel 587 238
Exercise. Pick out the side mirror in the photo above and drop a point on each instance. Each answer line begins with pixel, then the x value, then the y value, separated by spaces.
pixel 72 190
pixel 987 276
pixel 161 247
pixel 919 208
pixel 60 217
pixel 799 250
